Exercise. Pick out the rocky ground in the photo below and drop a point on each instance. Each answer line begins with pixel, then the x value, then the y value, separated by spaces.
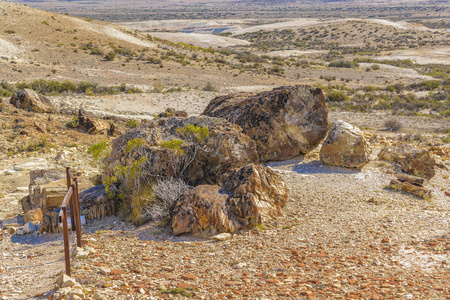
pixel 343 235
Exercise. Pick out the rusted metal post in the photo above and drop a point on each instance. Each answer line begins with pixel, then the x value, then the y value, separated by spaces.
pixel 76 205
pixel 71 207
pixel 66 240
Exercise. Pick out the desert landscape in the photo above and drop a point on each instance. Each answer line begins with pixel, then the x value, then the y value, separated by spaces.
pixel 232 150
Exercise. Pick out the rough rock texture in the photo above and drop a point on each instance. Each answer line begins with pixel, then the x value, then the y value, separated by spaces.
pixel 88 123
pixel 50 222
pixel 246 196
pixel 198 161
pixel 94 203
pixel 171 112
pixel 34 215
pixel 30 100
pixel 345 146
pixel 284 122
pixel 408 187
pixel 47 190
pixel 410 159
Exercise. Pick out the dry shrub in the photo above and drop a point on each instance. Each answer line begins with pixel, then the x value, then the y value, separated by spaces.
pixel 166 194
pixel 393 125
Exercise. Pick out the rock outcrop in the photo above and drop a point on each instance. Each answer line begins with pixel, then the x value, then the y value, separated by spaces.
pixel 244 197
pixel 88 123
pixel 345 146
pixel 47 190
pixel 94 203
pixel 197 149
pixel 410 159
pixel 30 100
pixel 284 122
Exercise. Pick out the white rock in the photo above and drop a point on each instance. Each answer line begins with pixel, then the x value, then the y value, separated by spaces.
pixel 65 281
pixel 104 270
pixel 222 237
pixel 29 228
pixel 78 252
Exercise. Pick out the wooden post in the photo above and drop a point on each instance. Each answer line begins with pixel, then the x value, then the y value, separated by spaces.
pixel 76 205
pixel 71 207
pixel 66 240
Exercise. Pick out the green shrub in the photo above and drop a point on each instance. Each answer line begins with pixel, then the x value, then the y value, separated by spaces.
pixel 132 124
pixel 343 64
pixel 337 96
pixel 99 150
pixel 195 131
pixel 174 144
pixel 430 85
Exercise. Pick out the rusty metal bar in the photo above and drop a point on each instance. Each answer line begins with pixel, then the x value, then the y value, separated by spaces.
pixel 66 200
pixel 71 207
pixel 66 239
pixel 76 205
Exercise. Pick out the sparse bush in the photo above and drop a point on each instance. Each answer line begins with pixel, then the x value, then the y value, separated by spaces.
pixel 337 96
pixel 99 151
pixel 174 144
pixel 132 124
pixel 209 87
pixel 10 31
pixel 343 64
pixel 393 125
pixel 110 56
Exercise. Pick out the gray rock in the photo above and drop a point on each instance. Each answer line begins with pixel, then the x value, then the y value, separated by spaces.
pixel 29 228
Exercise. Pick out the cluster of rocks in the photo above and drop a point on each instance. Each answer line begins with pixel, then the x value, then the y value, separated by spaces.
pixel 221 158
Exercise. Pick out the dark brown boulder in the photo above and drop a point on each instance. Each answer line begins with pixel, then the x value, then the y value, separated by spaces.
pixel 244 197
pixel 284 122
pixel 30 100
pixel 88 123
pixel 171 112
pixel 410 159
pixel 171 147
pixel 95 204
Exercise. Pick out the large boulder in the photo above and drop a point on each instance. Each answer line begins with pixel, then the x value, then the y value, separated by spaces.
pixel 410 159
pixel 345 146
pixel 284 122
pixel 197 149
pixel 30 100
pixel 95 204
pixel 244 197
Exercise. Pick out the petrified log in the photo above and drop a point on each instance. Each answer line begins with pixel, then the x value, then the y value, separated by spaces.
pixel 411 179
pixel 418 191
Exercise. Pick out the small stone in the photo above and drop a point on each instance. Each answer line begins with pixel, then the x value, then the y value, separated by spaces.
pixel 116 272
pixel 189 276
pixel 104 270
pixel 65 281
pixel 222 237
pixel 168 268
pixel 29 228
pixel 78 252
pixel 97 296
pixel 11 230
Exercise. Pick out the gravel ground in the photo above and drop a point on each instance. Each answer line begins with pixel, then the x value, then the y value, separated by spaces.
pixel 343 236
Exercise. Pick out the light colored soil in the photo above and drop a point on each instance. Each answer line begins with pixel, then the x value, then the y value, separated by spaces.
pixel 200 40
